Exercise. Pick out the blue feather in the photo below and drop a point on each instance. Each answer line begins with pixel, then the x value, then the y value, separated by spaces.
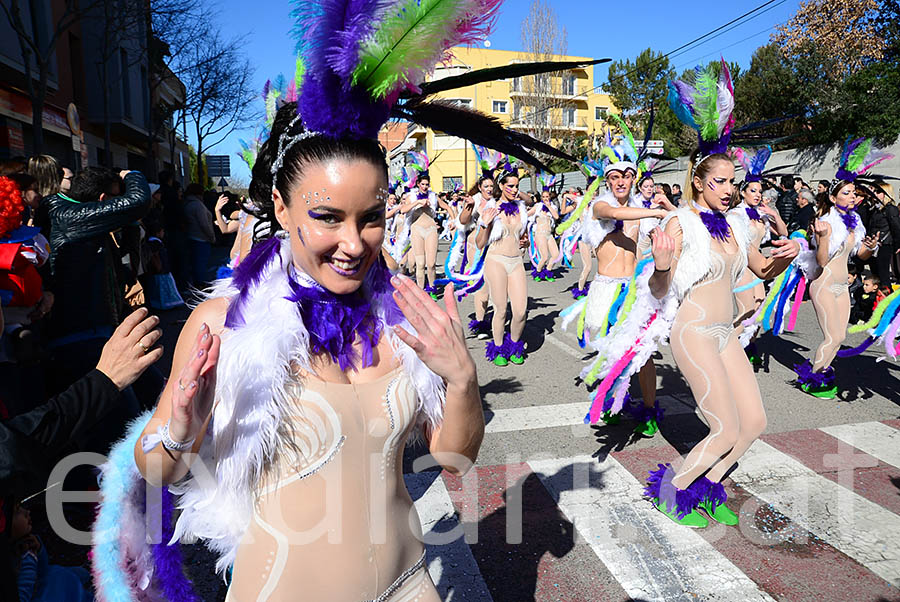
pixel 681 110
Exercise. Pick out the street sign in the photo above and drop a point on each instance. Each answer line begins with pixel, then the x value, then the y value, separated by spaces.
pixel 222 183
pixel 218 166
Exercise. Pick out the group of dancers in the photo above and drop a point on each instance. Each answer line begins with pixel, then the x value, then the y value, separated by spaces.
pixel 296 384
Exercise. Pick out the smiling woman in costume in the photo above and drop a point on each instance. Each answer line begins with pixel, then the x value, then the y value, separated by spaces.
pixel 296 384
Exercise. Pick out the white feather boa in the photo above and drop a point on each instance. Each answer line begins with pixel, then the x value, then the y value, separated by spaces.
pixel 497 224
pixel 252 396
pixel 695 261
pixel 840 234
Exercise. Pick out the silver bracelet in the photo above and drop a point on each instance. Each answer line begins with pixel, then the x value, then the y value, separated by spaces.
pixel 162 436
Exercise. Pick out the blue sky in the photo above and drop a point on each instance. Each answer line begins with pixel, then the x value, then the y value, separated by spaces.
pixel 605 31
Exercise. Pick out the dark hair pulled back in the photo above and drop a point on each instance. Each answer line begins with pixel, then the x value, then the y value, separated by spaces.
pixel 315 149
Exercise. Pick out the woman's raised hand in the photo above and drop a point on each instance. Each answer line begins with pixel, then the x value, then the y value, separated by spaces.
pixel 440 340
pixel 822 228
pixel 489 214
pixel 193 393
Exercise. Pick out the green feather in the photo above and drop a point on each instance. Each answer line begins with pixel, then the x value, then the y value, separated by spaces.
pixel 706 110
pixel 405 42
pixel 625 131
pixel 858 156
pixel 299 70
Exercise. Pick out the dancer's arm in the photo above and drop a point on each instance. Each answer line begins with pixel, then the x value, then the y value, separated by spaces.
pixel 187 410
pixel 410 204
pixel 822 231
pixel 465 216
pixel 604 211
pixel 769 267
pixel 665 245
pixel 484 231
pixel 553 211
pixel 441 345
pixel 779 226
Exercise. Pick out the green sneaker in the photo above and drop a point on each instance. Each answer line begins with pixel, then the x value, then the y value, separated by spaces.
pixel 610 418
pixel 823 392
pixel 648 428
pixel 694 519
pixel 722 514
pixel 517 359
pixel 501 361
pixel 755 360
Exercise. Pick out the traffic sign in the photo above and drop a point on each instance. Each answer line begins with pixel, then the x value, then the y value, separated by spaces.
pixel 222 183
pixel 218 166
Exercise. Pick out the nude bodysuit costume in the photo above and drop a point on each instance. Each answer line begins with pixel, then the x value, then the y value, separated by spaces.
pixel 338 524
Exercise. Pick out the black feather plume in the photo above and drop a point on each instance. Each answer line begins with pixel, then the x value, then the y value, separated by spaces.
pixel 496 73
pixel 474 126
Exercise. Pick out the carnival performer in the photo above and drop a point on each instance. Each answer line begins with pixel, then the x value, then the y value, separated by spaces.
pixel 762 222
pixel 699 254
pixel 542 221
pixel 311 356
pixel 420 208
pixel 614 229
pixel 501 228
pixel 571 231
pixel 391 217
pixel 838 234
pixel 474 206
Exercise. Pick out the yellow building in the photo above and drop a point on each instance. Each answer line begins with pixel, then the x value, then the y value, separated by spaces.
pixel 560 108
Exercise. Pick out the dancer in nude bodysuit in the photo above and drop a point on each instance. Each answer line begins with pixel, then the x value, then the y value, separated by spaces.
pixel 545 215
pixel 501 228
pixel 472 210
pixel 420 207
pixel 700 253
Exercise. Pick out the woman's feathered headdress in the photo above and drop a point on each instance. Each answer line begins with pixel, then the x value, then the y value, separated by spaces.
pixel 753 161
pixel 419 162
pixel 547 180
pixel 488 160
pixel 704 100
pixel 619 153
pixel 857 158
pixel 591 169
pixel 363 61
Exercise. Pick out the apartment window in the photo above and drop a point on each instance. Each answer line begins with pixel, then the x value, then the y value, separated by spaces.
pixel 126 84
pixel 450 184
pixel 568 85
pixel 500 106
pixel 600 113
pixel 568 115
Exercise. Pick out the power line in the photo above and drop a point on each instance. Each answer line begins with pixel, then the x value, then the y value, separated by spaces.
pixel 765 7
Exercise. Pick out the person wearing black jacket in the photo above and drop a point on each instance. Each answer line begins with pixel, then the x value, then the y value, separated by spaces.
pixel 31 443
pixel 885 194
pixel 787 199
pixel 872 210
pixel 84 264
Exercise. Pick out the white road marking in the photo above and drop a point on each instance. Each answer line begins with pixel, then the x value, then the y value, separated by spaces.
pixel 452 566
pixel 562 414
pixel 874 438
pixel 567 348
pixel 650 556
pixel 859 528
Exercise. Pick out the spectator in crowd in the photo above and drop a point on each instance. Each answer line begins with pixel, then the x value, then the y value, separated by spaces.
pixel 175 227
pixel 159 285
pixel 227 224
pixel 806 211
pixel 853 282
pixel 200 234
pixel 885 193
pixel 865 299
pixel 48 173
pixel 33 442
pixel 667 191
pixel 787 199
pixel 84 264
pixel 822 187
pixel 872 210
pixel 66 184
pixel 676 194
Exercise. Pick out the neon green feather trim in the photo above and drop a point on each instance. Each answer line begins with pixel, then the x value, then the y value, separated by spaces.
pixel 876 315
pixel 706 109
pixel 858 156
pixel 576 215
pixel 625 131
pixel 299 72
pixel 579 328
pixel 772 296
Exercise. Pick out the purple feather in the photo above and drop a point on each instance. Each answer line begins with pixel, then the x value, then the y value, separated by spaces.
pixel 712 492
pixel 247 275
pixel 806 375
pixel 492 350
pixel 359 23
pixel 168 571
pixel 336 322
pixel 716 224
pixel 856 350
pixel 850 218
pixel 680 501
pixel 476 326
pixel 641 413
pixel 753 214
pixel 849 147
pixel 265 91
pixel 509 208
pixel 512 347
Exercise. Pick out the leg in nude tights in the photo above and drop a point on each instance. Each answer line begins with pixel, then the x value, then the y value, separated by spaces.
pixel 507 287
pixel 431 247
pixel 587 263
pixel 833 312
pixel 417 251
pixel 481 298
pixel 728 396
pixel 543 253
pixel 552 252
pixel 518 302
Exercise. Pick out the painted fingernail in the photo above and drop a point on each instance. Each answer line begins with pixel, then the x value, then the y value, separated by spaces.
pixel 193 385
pixel 395 280
pixel 200 353
pixel 205 336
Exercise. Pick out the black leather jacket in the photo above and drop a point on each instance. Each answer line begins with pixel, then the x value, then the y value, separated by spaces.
pixel 83 260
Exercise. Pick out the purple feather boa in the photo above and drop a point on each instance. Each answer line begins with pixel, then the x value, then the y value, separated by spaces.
pixel 849 217
pixel 753 214
pixel 716 224
pixel 476 326
pixel 806 375
pixel 640 413
pixel 509 208
pixel 577 293
pixel 167 561
pixel 506 349
pixel 856 350
pixel 647 204
pixel 680 501
pixel 247 276
pixel 713 493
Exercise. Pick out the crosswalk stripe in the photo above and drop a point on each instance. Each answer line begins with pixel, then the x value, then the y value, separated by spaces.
pixel 451 565
pixel 651 557
pixel 850 523
pixel 562 414
pixel 876 439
